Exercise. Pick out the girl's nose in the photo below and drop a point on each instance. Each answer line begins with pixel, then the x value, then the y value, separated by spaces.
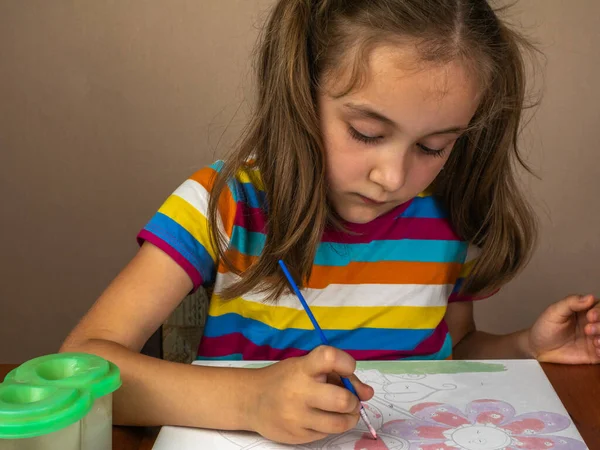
pixel 390 172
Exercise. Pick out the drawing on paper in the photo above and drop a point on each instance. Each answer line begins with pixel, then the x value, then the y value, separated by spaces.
pixel 432 406
pixel 392 390
pixel 485 424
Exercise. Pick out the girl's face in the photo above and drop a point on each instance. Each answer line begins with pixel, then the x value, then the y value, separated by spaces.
pixel 386 142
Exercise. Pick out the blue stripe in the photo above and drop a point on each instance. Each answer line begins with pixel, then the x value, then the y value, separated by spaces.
pixel 243 192
pixel 458 286
pixel 231 357
pixel 358 339
pixel 218 165
pixel 442 353
pixel 336 254
pixel 181 240
pixel 248 194
pixel 247 242
pixel 425 207
pixel 410 250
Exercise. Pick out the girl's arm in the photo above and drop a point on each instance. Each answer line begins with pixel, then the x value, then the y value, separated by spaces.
pixel 157 392
pixel 289 402
pixel 470 343
pixel 567 332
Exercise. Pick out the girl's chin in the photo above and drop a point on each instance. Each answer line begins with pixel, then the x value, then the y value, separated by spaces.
pixel 361 214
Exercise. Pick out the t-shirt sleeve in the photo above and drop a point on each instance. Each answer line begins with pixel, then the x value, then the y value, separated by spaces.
pixel 473 253
pixel 180 227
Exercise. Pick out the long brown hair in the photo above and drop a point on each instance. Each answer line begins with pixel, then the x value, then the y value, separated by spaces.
pixel 305 41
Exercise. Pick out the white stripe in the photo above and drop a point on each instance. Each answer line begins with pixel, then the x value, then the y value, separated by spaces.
pixel 197 196
pixel 355 295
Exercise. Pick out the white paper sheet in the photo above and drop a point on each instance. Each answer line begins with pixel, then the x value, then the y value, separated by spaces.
pixel 430 405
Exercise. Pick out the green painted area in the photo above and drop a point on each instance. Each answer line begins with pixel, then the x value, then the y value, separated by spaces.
pixel 430 367
pixel 419 367
pixel 257 365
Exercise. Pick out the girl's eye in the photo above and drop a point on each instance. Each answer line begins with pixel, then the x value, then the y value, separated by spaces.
pixel 362 138
pixel 431 151
pixel 355 134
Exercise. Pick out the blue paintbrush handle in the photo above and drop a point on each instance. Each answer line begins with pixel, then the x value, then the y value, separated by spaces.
pixel 324 340
pixel 349 386
pixel 287 274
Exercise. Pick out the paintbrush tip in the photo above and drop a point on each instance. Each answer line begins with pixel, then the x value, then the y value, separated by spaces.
pixel 373 433
pixel 365 418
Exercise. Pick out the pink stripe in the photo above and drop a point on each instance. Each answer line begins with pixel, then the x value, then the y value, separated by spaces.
pixel 192 272
pixel 403 228
pixel 383 221
pixel 237 343
pixel 212 347
pixel 252 219
pixel 393 228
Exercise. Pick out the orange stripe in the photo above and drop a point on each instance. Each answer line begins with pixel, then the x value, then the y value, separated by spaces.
pixel 239 260
pixel 367 272
pixel 227 206
pixel 385 273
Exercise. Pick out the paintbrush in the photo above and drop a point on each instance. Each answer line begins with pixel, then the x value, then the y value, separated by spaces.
pixel 324 340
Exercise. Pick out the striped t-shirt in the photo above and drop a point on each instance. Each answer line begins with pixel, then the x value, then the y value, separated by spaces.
pixel 379 292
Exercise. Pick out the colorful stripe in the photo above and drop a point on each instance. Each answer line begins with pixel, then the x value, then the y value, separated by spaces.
pixel 359 339
pixel 385 273
pixel 406 228
pixel 184 243
pixel 342 295
pixel 434 251
pixel 438 344
pixel 379 290
pixel 425 207
pixel 399 272
pixel 192 271
pixel 342 318
pixel 337 254
pixel 250 219
pixel 227 205
pixel 445 352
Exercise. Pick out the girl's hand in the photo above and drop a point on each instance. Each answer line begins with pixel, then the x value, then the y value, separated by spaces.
pixel 568 332
pixel 295 403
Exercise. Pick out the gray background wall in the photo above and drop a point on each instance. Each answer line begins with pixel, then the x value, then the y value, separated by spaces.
pixel 105 107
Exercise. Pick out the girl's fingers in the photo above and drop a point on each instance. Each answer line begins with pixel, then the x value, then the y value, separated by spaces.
pixel 330 422
pixel 592 329
pixel 593 315
pixel 332 398
pixel 364 391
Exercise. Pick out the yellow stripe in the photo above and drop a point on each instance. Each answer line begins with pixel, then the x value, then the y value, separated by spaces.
pixel 252 177
pixel 189 218
pixel 328 317
pixel 466 269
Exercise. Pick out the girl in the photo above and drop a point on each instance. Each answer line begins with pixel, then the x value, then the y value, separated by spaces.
pixel 379 164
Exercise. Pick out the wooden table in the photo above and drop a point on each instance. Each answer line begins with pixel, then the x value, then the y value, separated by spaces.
pixel 577 386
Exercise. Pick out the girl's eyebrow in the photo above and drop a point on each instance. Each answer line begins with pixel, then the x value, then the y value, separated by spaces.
pixel 369 113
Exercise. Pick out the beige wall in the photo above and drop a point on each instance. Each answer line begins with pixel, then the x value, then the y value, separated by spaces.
pixel 105 107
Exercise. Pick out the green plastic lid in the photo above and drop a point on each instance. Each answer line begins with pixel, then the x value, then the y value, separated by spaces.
pixel 28 411
pixel 70 370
